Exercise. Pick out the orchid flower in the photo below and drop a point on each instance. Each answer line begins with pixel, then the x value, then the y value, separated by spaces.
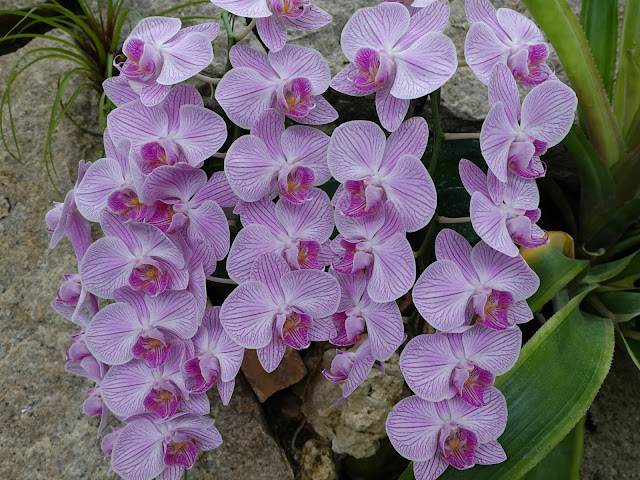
pixel 274 16
pixel 141 326
pixel 180 129
pixel 353 367
pixel 450 432
pixel 442 365
pixel 277 307
pixel 397 56
pixel 508 37
pixel 159 55
pixel 544 120
pixel 292 81
pixel 73 298
pixel 274 161
pixel 375 170
pixel 147 448
pixel 505 217
pixel 376 246
pixel 94 405
pixel 134 387
pixel 113 183
pixel 296 232
pixel 134 254
pixel 217 358
pixel 464 281
pixel 184 201
pixel 357 312
pixel 64 219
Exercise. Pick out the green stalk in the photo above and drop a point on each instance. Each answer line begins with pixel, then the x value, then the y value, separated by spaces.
pixel 231 39
pixel 563 29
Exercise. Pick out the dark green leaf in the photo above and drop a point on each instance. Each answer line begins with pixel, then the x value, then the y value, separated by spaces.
pixel 624 306
pixel 606 271
pixel 563 462
pixel 599 19
pixel 631 345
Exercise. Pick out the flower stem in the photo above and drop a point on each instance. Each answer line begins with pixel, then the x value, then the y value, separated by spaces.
pixel 438 134
pixel 246 31
pixel 453 220
pixel 462 136
pixel 231 39
pixel 226 281
pixel 204 78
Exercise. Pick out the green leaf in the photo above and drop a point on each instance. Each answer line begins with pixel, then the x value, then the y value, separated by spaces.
pixel 606 271
pixel 565 33
pixel 556 378
pixel 596 183
pixel 631 345
pixel 624 306
pixel 627 94
pixel 563 462
pixel 599 19
pixel 628 277
pixel 552 265
pixel 606 230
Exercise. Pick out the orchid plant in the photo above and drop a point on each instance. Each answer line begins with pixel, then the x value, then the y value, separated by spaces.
pixel 373 267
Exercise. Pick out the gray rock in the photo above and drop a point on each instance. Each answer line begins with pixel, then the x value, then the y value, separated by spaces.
pixel 358 424
pixel 44 434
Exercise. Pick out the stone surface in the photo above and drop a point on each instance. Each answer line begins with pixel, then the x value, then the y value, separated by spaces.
pixel 43 434
pixel 612 435
pixel 291 370
pixel 316 462
pixel 357 425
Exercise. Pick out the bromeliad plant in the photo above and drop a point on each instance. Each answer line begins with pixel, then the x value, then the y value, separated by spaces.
pixel 155 350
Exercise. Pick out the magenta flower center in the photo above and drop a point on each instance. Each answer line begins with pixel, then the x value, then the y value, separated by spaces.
pixel 458 447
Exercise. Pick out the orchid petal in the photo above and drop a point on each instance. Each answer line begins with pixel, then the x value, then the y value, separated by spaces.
pixel 394 269
pixel 493 350
pixel 412 426
pixel 112 334
pixel 355 150
pixel 271 355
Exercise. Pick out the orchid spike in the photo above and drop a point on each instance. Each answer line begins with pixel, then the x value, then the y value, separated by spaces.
pixel 273 17
pixel 159 55
pixel 277 161
pixel 501 222
pixel 353 367
pixel 141 326
pixel 65 219
pixel 217 358
pixel 180 129
pixel 73 301
pixel 295 232
pixel 375 169
pixel 277 307
pixel 133 388
pixel 136 255
pixel 512 138
pixel 357 313
pixel 291 81
pixel 440 366
pixel 450 432
pixel 397 56
pixel 181 199
pixel 147 448
pixel 508 37
pixel 464 281
pixel 376 246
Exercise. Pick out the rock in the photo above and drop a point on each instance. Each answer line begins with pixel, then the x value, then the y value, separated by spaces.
pixel 248 449
pixel 358 424
pixel 316 462
pixel 290 371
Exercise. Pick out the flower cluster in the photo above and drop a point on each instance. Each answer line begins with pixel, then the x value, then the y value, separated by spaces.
pixel 475 296
pixel 153 349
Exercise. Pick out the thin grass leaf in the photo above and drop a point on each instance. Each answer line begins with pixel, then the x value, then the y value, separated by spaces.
pixel 43 20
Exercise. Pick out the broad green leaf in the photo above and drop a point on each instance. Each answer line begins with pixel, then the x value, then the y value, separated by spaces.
pixel 599 19
pixel 607 229
pixel 563 462
pixel 556 378
pixel 624 306
pixel 606 271
pixel 627 94
pixel 554 267
pixel 562 27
